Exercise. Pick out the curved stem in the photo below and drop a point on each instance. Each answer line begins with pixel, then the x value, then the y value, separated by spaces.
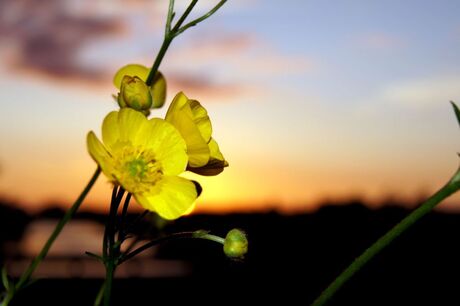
pixel 170 34
pixel 68 215
pixel 185 15
pixel 8 297
pixel 99 295
pixel 195 235
pixel 451 187
pixel 198 20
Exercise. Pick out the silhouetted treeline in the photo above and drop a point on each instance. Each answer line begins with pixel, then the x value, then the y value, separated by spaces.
pixel 291 259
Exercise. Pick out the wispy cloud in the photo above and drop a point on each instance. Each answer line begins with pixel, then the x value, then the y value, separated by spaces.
pixel 241 52
pixel 46 36
pixel 221 66
pixel 379 41
pixel 207 89
pixel 424 93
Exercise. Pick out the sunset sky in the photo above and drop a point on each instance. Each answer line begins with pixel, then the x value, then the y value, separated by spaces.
pixel 310 100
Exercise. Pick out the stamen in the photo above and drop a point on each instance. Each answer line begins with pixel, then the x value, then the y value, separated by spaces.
pixel 136 169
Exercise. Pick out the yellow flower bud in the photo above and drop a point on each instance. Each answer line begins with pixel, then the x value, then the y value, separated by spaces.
pixel 158 90
pixel 236 244
pixel 135 94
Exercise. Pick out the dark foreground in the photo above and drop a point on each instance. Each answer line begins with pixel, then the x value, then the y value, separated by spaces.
pixel 291 259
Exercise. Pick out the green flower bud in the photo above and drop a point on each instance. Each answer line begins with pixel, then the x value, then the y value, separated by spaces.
pixel 135 94
pixel 236 244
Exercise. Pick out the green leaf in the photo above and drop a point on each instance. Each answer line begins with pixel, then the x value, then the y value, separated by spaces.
pixel 456 110
pixel 5 280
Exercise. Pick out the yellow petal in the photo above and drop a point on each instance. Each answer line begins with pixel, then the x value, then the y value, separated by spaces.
pixel 140 71
pixel 171 197
pixel 168 145
pixel 131 123
pixel 214 150
pixel 180 115
pixel 201 119
pixel 99 153
pixel 216 163
pixel 110 130
pixel 158 90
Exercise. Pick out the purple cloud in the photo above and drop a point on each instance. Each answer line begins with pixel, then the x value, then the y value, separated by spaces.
pixel 46 36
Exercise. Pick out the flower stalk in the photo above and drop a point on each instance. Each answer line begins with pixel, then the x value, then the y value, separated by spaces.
pixel 200 234
pixel 25 278
pixel 111 249
pixel 172 32
pixel 450 188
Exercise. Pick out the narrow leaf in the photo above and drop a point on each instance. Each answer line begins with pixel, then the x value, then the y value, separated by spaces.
pixel 456 110
pixel 5 280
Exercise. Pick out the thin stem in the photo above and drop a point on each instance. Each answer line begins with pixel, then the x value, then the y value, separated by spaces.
pixel 112 252
pixel 183 235
pixel 132 244
pixel 68 215
pixel 105 241
pixel 184 15
pixel 198 20
pixel 125 208
pixel 451 187
pixel 122 230
pixel 170 17
pixel 110 268
pixel 100 294
pixel 111 224
pixel 156 64
pixel 8 297
pixel 170 34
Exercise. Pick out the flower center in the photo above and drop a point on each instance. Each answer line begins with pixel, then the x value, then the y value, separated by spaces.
pixel 136 169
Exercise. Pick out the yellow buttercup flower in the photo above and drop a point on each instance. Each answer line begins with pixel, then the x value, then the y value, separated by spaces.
pixel 192 121
pixel 145 157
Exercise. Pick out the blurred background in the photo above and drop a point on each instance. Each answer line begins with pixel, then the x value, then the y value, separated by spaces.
pixel 333 115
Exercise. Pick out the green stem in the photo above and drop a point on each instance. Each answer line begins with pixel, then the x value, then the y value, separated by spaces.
pixel 198 20
pixel 111 253
pixel 451 187
pixel 184 15
pixel 110 268
pixel 68 215
pixel 105 241
pixel 195 235
pixel 169 17
pixel 123 230
pixel 170 34
pixel 100 294
pixel 156 64
pixel 8 298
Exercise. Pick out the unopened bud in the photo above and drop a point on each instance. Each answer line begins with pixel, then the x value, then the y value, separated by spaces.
pixel 135 94
pixel 236 244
